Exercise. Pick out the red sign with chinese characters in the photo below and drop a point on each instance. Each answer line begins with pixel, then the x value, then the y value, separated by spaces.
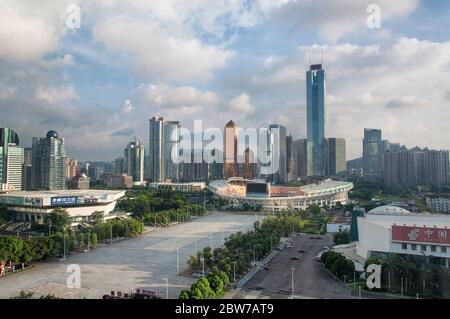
pixel 421 234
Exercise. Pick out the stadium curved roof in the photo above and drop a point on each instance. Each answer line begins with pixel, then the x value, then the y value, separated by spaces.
pixel 389 210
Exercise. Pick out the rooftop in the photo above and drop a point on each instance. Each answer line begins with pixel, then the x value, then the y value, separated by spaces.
pixel 68 192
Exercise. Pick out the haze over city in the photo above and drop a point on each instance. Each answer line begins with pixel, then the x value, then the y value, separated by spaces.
pixel 217 61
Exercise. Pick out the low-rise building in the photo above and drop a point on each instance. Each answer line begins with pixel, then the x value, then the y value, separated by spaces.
pixel 80 204
pixel 79 182
pixel 391 229
pixel 341 221
pixel 120 181
pixel 179 187
pixel 438 204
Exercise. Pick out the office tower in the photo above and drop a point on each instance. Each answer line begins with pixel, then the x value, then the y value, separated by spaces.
pixel 118 166
pixel 248 167
pixel 230 150
pixel 372 155
pixel 315 109
pixel 11 160
pixel 71 167
pixel 335 156
pixel 164 144
pixel 134 160
pixel 195 171
pixel 300 157
pixel 274 171
pixel 289 158
pixel 215 169
pixel 171 150
pixel 48 162
pixel 156 151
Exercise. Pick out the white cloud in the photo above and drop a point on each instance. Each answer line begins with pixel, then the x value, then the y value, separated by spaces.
pixel 333 19
pixel 182 97
pixel 127 106
pixel 242 103
pixel 56 95
pixel 159 54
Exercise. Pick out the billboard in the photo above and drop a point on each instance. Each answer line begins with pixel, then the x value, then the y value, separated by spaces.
pixel 257 188
pixel 62 201
pixel 414 234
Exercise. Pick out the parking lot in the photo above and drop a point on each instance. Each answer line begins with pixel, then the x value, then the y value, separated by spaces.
pixel 311 280
pixel 144 261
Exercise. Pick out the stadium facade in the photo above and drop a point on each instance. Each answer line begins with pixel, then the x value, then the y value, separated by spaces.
pixel 276 198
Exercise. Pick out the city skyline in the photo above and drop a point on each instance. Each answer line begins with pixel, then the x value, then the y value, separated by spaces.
pixel 85 82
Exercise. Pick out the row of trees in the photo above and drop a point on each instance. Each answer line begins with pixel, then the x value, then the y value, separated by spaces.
pixel 423 275
pixel 211 286
pixel 339 265
pixel 159 206
pixel 242 249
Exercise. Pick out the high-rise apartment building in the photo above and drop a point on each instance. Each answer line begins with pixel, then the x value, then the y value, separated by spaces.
pixel 49 162
pixel 134 160
pixel 335 156
pixel 26 169
pixel 290 163
pixel 71 167
pixel 274 170
pixel 171 148
pixel 11 160
pixel 372 155
pixel 415 167
pixel 315 113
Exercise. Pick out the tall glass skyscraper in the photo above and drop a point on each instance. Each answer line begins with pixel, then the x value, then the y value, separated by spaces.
pixel 164 142
pixel 48 162
pixel 315 101
pixel 134 160
pixel 372 155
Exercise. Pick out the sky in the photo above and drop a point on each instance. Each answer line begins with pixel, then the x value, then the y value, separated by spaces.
pixel 217 60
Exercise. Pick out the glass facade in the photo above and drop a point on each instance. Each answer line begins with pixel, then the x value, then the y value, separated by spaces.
pixel 315 100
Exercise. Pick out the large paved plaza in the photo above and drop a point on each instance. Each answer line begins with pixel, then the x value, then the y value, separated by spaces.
pixel 139 262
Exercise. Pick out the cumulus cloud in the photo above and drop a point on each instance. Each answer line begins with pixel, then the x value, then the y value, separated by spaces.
pixel 333 19
pixel 127 106
pixel 242 103
pixel 56 95
pixel 158 53
pixel 166 96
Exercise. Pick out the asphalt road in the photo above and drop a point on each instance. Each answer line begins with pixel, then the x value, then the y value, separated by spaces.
pixel 311 280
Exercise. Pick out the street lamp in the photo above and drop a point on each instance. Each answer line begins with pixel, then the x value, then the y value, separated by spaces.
pixel 202 259
pixel 292 270
pixel 167 287
pixel 178 267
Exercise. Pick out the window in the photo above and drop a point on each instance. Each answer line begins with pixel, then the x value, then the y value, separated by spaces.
pixel 414 247
pixel 424 247
pixel 443 249
pixel 433 249
pixel 404 246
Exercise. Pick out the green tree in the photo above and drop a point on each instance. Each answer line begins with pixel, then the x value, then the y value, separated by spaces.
pixel 341 237
pixel 58 220
pixel 97 217
pixel 94 240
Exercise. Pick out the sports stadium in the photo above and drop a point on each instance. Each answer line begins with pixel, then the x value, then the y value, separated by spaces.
pixel 238 190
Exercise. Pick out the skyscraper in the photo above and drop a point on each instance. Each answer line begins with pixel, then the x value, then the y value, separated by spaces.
pixel 155 149
pixel 300 157
pixel 164 144
pixel 48 162
pixel 134 160
pixel 11 160
pixel 230 150
pixel 315 106
pixel 171 149
pixel 372 155
pixel 274 171
pixel 289 158
pixel 335 156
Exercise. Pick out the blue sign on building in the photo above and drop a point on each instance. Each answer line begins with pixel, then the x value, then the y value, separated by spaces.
pixel 61 201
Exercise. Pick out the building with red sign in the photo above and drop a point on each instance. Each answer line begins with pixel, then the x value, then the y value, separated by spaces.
pixel 391 229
